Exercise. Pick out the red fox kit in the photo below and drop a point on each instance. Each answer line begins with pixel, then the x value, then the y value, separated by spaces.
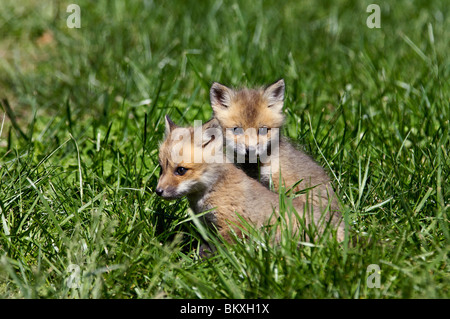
pixel 196 168
pixel 258 114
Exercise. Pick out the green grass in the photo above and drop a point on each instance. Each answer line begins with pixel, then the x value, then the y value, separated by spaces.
pixel 79 144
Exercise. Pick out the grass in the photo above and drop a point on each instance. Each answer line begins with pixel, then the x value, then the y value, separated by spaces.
pixel 79 144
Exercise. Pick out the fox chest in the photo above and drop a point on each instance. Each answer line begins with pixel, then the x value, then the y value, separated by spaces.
pixel 202 205
pixel 221 212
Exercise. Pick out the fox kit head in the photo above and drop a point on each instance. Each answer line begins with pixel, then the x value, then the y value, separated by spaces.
pixel 250 118
pixel 187 158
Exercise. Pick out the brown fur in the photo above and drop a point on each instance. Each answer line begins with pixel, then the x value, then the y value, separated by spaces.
pixel 224 188
pixel 249 108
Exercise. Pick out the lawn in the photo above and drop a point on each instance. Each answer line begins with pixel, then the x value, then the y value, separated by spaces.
pixel 82 116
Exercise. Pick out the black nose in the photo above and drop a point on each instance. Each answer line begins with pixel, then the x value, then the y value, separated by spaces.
pixel 159 191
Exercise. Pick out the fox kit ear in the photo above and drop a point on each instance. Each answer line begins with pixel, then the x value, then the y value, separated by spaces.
pixel 170 126
pixel 275 94
pixel 212 132
pixel 220 96
pixel 212 123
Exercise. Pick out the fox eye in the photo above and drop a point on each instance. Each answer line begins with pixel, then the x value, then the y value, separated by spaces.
pixel 263 130
pixel 238 131
pixel 180 171
pixel 160 168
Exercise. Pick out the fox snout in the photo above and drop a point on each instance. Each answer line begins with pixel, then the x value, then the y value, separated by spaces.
pixel 164 189
pixel 166 193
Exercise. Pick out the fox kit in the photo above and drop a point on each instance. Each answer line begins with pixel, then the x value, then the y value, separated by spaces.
pixel 251 119
pixel 196 168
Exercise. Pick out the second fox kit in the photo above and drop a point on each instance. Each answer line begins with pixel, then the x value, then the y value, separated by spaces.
pixel 258 114
pixel 215 184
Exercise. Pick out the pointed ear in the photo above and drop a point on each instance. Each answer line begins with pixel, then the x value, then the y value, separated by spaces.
pixel 220 96
pixel 275 94
pixel 212 123
pixel 170 126
pixel 212 132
